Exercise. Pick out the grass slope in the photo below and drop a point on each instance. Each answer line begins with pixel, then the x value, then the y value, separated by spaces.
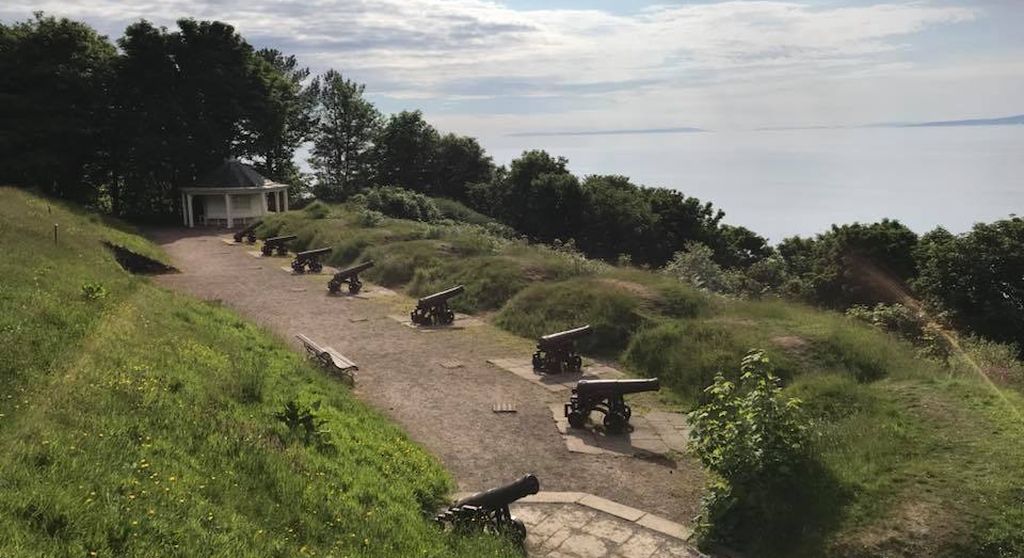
pixel 141 423
pixel 917 459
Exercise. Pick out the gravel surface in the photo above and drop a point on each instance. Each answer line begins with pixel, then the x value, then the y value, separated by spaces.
pixel 414 377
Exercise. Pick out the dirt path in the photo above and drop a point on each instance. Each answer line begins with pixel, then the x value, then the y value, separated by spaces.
pixel 448 410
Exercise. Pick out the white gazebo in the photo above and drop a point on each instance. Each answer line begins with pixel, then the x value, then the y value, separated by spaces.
pixel 232 194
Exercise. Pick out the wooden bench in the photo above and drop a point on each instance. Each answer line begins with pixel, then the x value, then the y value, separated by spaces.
pixel 329 359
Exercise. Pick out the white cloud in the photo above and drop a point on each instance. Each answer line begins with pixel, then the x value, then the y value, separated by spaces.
pixel 725 61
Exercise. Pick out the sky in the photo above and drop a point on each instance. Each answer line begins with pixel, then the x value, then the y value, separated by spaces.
pixel 504 69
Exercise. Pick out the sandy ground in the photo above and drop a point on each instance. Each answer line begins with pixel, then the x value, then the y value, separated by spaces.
pixel 446 409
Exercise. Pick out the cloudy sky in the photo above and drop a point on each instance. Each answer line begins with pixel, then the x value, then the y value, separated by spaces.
pixel 493 69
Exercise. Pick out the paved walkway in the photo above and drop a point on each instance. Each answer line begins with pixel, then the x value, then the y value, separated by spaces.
pixel 439 386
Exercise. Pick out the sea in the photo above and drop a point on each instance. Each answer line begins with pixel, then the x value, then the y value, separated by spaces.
pixel 781 183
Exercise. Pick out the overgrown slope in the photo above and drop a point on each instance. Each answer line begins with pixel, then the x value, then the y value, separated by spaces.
pixel 136 422
pixel 917 458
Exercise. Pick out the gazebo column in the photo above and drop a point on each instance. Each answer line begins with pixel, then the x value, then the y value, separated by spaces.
pixel 263 201
pixel 284 196
pixel 191 221
pixel 227 209
pixel 184 210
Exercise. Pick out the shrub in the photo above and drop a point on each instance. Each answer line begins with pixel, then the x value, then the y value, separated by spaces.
pixel 317 210
pixel 399 203
pixel 370 218
pixel 755 443
pixel 451 209
pixel 94 291
pixel 696 265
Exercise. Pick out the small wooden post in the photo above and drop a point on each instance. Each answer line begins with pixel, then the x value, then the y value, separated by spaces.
pixel 55 234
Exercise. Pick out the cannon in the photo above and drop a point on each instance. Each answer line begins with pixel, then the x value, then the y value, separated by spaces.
pixel 309 258
pixel 350 276
pixel 605 396
pixel 488 511
pixel 434 309
pixel 248 233
pixel 278 243
pixel 556 352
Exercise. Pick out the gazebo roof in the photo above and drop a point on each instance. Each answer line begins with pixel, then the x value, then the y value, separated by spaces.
pixel 234 174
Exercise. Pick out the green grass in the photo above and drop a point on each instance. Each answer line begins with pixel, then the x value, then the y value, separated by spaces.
pixel 141 423
pixel 913 458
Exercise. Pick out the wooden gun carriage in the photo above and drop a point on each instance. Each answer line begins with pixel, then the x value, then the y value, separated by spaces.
pixel 278 243
pixel 556 353
pixel 488 511
pixel 310 259
pixel 248 233
pixel 350 276
pixel 605 396
pixel 433 309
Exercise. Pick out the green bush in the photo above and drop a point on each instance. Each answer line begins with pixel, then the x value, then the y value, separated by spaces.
pixel 755 444
pixel 370 218
pixel 456 211
pixel 399 203
pixel 317 210
pixel 545 308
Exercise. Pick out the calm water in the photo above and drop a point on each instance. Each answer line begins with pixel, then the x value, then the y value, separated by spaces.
pixel 781 183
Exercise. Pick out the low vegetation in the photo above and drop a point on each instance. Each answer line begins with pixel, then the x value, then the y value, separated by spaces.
pixel 136 422
pixel 907 454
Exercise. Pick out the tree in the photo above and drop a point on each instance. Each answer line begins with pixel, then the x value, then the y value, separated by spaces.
pixel 405 151
pixel 614 219
pixel 460 160
pixel 54 83
pixel 740 247
pixel 282 117
pixel 978 277
pixel 343 135
pixel 676 220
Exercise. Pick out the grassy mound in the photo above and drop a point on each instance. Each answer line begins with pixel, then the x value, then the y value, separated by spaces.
pixel 914 458
pixel 136 422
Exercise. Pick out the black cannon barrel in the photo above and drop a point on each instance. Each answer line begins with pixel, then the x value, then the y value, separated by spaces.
pixel 601 388
pixel 279 239
pixel 554 339
pixel 314 252
pixel 358 268
pixel 442 296
pixel 503 495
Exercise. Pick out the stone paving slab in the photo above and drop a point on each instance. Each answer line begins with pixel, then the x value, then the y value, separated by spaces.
pixel 667 433
pixel 523 367
pixel 259 255
pixel 462 321
pixel 579 525
pixel 369 291
pixel 230 241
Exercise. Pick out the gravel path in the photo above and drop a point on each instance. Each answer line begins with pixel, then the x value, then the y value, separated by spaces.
pixel 447 410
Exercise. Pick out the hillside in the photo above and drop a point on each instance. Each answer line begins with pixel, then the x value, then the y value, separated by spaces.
pixel 136 422
pixel 917 458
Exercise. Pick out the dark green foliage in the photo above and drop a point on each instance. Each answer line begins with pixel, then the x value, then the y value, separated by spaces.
pixel 345 125
pixel 456 211
pixel 978 277
pixel 317 210
pixel 405 150
pixel 55 80
pixel 739 247
pixel 400 203
pixel 458 161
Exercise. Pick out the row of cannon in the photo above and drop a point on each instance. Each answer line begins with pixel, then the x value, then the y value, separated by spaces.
pixel 556 354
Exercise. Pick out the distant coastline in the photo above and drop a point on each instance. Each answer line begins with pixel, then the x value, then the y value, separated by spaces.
pixel 625 131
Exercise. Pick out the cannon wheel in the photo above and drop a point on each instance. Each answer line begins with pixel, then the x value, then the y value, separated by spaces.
pixel 576 364
pixel 315 266
pixel 354 286
pixel 266 250
pixel 448 317
pixel 577 419
pixel 334 286
pixel 298 267
pixel 538 361
pixel 517 529
pixel 615 422
pixel 251 237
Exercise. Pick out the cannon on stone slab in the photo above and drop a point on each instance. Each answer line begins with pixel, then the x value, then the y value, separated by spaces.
pixel 556 352
pixel 248 233
pixel 488 511
pixel 310 259
pixel 606 397
pixel 279 243
pixel 350 276
pixel 433 309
